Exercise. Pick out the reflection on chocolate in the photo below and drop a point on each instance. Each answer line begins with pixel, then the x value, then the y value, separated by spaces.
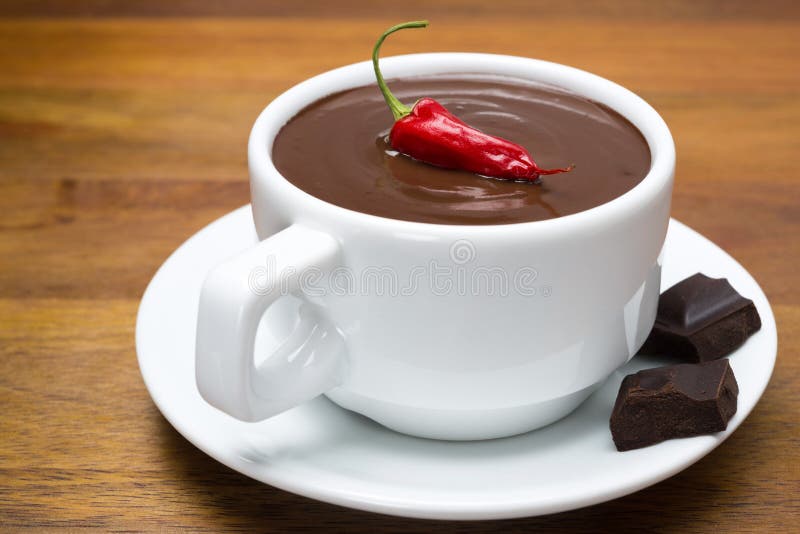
pixel 336 150
pixel 414 182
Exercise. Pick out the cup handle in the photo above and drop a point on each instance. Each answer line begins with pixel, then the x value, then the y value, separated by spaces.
pixel 233 299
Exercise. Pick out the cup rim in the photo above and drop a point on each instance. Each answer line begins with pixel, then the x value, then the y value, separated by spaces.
pixel 631 106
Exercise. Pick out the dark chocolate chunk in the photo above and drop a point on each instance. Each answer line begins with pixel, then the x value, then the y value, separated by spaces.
pixel 701 319
pixel 678 401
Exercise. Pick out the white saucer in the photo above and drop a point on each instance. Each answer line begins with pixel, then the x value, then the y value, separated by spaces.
pixel 324 452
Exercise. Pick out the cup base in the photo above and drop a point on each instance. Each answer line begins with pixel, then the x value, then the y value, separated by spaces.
pixel 461 425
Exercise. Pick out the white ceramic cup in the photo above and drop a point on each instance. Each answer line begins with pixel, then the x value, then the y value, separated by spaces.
pixel 353 310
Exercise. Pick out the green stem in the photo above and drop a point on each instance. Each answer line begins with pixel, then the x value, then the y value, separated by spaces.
pixel 399 110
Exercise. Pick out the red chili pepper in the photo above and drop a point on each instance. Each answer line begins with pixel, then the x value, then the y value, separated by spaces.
pixel 429 133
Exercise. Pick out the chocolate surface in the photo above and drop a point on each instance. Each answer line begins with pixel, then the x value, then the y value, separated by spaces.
pixel 336 150
pixel 701 319
pixel 678 401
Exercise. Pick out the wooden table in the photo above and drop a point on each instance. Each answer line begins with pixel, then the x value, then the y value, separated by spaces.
pixel 123 129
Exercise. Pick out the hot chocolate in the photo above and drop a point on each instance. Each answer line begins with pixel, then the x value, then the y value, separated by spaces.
pixel 336 150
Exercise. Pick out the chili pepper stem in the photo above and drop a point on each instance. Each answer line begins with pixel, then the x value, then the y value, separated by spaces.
pixel 399 110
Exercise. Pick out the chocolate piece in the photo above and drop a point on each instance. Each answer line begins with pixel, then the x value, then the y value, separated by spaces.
pixel 335 150
pixel 701 319
pixel 677 401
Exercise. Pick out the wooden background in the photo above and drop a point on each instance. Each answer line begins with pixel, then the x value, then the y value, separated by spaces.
pixel 123 128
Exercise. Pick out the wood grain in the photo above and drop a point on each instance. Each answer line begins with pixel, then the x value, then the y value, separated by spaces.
pixel 122 135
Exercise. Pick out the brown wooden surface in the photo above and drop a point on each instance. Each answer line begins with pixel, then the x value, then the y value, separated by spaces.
pixel 120 136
